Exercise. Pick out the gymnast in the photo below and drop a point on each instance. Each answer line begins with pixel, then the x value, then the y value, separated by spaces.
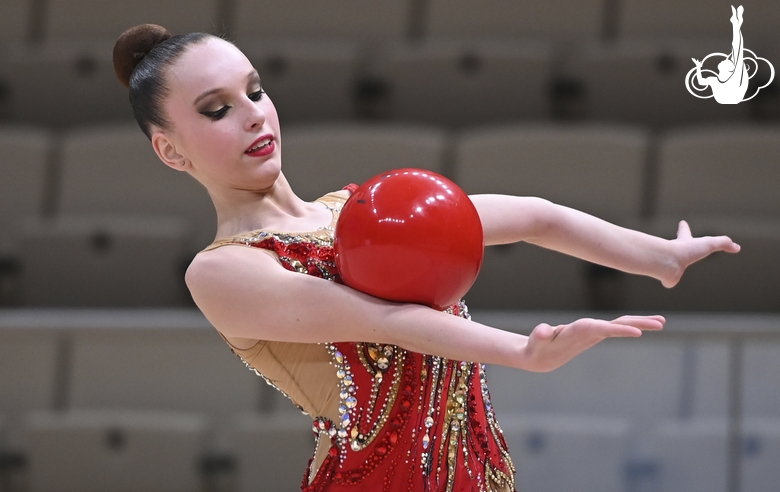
pixel 397 392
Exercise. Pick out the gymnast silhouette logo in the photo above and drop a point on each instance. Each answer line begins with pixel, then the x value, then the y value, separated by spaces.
pixel 730 84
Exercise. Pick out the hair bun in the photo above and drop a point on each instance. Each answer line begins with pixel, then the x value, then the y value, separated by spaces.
pixel 133 45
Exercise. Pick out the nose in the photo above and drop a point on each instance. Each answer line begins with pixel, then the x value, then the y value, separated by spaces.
pixel 255 116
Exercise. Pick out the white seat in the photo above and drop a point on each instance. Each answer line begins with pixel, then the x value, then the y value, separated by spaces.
pixel 508 18
pixel 345 19
pixel 157 370
pixel 83 451
pixel 596 169
pixel 28 377
pixel 566 452
pixel 642 82
pixel 323 158
pixel 748 281
pixel 87 89
pixel 96 19
pixel 637 381
pixel 761 453
pixel 307 81
pixel 710 380
pixel 697 18
pixel 24 154
pixel 760 399
pixel 272 451
pixel 467 82
pixel 720 170
pixel 113 170
pixel 104 261
pixel 692 455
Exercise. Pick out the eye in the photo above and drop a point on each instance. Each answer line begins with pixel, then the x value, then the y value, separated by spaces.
pixel 215 115
pixel 257 95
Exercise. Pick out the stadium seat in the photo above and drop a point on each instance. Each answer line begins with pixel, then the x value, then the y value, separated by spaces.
pixel 761 361
pixel 643 82
pixel 567 453
pixel 708 391
pixel 720 179
pixel 693 454
pixel 169 370
pixel 15 21
pixel 519 19
pixel 28 377
pixel 307 81
pixel 122 451
pixel 465 83
pixel 338 19
pixel 698 18
pixel 323 158
pixel 104 261
pixel 726 171
pixel 639 381
pixel 113 170
pixel 97 19
pixel 596 169
pixel 272 450
pixel 24 156
pixel 86 88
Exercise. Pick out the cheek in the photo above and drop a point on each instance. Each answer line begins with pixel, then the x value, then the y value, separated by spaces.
pixel 211 142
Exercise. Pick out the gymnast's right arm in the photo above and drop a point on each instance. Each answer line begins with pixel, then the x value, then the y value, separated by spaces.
pixel 245 293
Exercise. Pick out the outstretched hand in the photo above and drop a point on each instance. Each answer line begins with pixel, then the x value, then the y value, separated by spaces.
pixel 689 250
pixel 550 347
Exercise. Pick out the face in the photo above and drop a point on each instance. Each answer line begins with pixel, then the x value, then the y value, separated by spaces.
pixel 224 129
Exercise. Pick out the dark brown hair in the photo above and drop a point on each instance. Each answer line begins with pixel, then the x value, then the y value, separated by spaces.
pixel 142 54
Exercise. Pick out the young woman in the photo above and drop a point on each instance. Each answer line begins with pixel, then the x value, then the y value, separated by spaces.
pixel 397 400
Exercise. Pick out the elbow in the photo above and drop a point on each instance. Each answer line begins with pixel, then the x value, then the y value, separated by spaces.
pixel 546 219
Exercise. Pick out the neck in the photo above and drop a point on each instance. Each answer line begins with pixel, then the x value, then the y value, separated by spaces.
pixel 275 208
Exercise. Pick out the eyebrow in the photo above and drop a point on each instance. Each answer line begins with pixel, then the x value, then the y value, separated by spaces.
pixel 251 75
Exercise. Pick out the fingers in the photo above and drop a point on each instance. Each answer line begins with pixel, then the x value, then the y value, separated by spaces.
pixel 622 331
pixel 683 230
pixel 647 323
pixel 724 243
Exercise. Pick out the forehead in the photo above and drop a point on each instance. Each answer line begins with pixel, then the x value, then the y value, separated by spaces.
pixel 208 65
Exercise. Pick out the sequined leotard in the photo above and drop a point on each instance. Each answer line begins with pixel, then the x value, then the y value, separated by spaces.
pixel 385 418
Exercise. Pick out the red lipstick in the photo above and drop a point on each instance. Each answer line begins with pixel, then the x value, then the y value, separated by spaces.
pixel 262 146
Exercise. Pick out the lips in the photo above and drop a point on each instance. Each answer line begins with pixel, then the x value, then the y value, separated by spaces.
pixel 262 146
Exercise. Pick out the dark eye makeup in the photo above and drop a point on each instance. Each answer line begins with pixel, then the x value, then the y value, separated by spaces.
pixel 218 114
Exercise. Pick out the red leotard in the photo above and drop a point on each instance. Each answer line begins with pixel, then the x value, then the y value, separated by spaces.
pixel 408 421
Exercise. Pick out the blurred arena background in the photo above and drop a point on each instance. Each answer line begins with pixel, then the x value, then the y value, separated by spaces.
pixel 111 380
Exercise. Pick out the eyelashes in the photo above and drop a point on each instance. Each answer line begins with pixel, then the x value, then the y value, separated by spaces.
pixel 215 115
pixel 218 114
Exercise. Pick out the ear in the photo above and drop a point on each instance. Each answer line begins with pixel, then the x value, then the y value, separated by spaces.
pixel 166 151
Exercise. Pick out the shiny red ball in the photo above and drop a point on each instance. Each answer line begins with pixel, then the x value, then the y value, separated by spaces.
pixel 410 235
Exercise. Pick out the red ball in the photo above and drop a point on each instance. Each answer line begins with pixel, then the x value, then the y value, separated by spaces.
pixel 410 235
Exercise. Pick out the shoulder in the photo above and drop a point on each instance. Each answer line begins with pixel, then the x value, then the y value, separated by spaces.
pixel 227 264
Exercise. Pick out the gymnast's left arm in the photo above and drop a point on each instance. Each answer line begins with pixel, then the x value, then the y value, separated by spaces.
pixel 509 219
